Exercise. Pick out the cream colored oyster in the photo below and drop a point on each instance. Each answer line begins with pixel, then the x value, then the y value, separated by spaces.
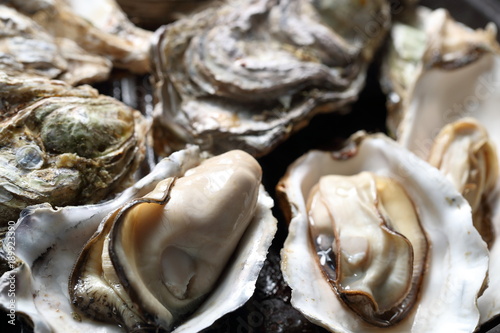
pixel 98 26
pixel 249 73
pixel 465 154
pixel 176 251
pixel 384 241
pixel 63 145
pixel 369 244
pixel 437 72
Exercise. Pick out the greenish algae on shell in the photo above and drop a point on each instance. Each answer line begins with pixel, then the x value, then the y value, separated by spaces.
pixel 63 145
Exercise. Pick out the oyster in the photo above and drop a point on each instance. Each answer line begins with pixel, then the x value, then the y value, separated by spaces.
pixel 98 26
pixel 437 72
pixel 63 145
pixel 430 49
pixel 250 72
pixel 25 47
pixel 387 240
pixel 467 157
pixel 45 299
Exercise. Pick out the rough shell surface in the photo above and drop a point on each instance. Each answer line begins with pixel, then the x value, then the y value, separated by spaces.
pixel 64 145
pixel 247 74
pixel 27 48
pixel 98 26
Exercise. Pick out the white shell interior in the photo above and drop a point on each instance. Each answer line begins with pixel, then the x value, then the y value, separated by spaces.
pixel 48 241
pixel 469 91
pixel 458 256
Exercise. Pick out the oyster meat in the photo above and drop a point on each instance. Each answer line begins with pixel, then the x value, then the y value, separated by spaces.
pixel 63 145
pixel 98 26
pixel 442 80
pixel 386 240
pixel 144 266
pixel 250 72
pixel 464 152
pixel 25 47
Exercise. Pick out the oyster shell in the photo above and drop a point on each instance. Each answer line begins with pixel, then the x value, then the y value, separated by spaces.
pixel 455 265
pixel 26 47
pixel 44 255
pixel 98 26
pixel 429 46
pixel 249 73
pixel 438 71
pixel 63 145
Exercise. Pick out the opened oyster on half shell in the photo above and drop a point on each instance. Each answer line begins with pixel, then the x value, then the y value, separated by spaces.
pixel 63 145
pixel 98 26
pixel 248 73
pixel 443 84
pixel 176 251
pixel 384 241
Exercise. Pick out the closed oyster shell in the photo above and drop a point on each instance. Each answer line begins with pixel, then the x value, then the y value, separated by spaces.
pixel 48 258
pixel 457 261
pixel 26 48
pixel 63 145
pixel 438 71
pixel 98 26
pixel 249 73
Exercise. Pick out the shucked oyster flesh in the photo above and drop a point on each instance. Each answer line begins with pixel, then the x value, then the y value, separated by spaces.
pixel 437 72
pixel 98 26
pixel 464 152
pixel 370 244
pixel 250 72
pixel 184 178
pixel 387 241
pixel 63 145
pixel 157 258
pixel 26 47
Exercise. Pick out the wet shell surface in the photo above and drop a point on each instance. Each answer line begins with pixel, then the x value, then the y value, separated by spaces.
pixel 64 145
pixel 48 259
pixel 98 26
pixel 247 74
pixel 457 258
pixel 443 82
pixel 27 48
